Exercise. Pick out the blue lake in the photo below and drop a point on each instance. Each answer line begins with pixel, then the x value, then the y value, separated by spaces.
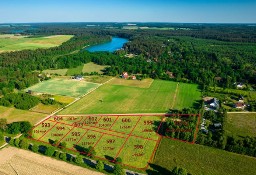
pixel 115 44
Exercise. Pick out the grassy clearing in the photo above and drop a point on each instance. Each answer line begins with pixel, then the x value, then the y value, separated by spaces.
pixel 146 83
pixel 187 94
pixel 66 87
pixel 16 43
pixel 56 71
pixel 46 109
pixel 97 78
pixel 241 124
pixel 14 115
pixel 124 99
pixel 75 71
pixel 92 67
pixel 198 159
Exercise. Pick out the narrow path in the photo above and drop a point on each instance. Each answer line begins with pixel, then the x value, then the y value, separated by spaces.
pixel 77 99
pixel 243 112
pixel 175 95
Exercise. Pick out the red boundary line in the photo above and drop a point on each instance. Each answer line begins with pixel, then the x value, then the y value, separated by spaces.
pixel 127 138
pixel 113 123
pixel 78 121
pixel 97 121
pixel 81 137
pixel 118 115
pixel 138 115
pixel 98 140
pixel 48 130
pixel 64 136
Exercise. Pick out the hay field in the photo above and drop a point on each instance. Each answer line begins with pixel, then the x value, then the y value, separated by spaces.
pixel 15 43
pixel 28 163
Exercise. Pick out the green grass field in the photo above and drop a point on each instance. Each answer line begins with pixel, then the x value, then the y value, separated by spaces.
pixel 198 159
pixel 75 71
pixel 66 87
pixel 46 109
pixel 92 67
pixel 125 99
pixel 14 115
pixel 16 43
pixel 241 124
pixel 187 94
pixel 56 71
pixel 132 138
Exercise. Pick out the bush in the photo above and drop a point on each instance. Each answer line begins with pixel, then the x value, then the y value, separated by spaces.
pixel 63 156
pixel 118 170
pixel 17 142
pixel 50 151
pixel 100 165
pixel 11 142
pixel 79 160
pixel 24 144
pixel 35 148
pixel 118 160
pixel 57 154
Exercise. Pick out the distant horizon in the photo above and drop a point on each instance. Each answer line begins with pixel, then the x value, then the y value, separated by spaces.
pixel 128 22
pixel 163 11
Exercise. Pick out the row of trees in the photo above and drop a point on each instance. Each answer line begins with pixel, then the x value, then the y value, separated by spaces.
pixel 54 152
pixel 188 59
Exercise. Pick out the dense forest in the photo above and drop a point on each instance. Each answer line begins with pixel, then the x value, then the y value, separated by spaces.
pixel 204 54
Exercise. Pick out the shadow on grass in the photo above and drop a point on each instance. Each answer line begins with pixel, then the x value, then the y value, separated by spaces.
pixel 82 150
pixel 157 170
pixel 197 104
pixel 109 158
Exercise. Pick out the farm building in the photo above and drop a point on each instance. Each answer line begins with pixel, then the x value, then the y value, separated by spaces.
pixel 239 105
pixel 125 75
pixel 170 74
pixel 78 77
pixel 214 103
